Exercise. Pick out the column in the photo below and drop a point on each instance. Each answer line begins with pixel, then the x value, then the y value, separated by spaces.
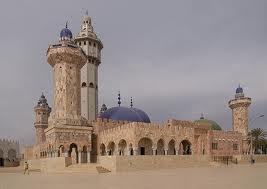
pixel 79 157
pixel 88 157
pixel 66 154
pixel 165 152
pixel 135 151
pixel 177 151
pixel 154 152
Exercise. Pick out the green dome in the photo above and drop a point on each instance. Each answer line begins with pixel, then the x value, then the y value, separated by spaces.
pixel 212 124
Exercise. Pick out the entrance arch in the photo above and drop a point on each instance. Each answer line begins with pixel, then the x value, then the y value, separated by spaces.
pixel 84 155
pixel 122 147
pixel 111 148
pixel 185 147
pixel 102 149
pixel 160 147
pixel 171 147
pixel 11 154
pixel 145 146
pixel 73 153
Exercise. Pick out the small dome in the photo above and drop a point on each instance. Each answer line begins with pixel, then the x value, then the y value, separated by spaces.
pixel 239 90
pixel 65 34
pixel 213 125
pixel 121 113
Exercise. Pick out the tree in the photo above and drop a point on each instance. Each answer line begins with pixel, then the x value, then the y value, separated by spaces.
pixel 258 139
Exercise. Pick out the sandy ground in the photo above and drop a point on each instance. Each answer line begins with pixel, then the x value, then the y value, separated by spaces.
pixel 234 176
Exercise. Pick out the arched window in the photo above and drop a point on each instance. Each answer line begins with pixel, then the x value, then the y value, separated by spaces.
pixel 91 85
pixel 83 84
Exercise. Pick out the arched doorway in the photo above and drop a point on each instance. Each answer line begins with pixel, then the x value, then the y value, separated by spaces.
pixel 131 152
pixel 185 147
pixel 122 147
pixel 102 149
pixel 171 147
pixel 145 146
pixel 11 154
pixel 1 158
pixel 61 151
pixel 73 153
pixel 111 148
pixel 160 147
pixel 84 155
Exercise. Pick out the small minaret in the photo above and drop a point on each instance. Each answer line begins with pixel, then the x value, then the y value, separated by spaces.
pixel 42 112
pixel 92 46
pixel 239 107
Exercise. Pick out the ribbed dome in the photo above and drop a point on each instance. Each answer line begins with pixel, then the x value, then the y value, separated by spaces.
pixel 121 113
pixel 65 34
pixel 213 125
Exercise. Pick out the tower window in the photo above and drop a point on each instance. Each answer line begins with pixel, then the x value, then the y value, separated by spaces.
pixel 89 43
pixel 83 84
pixel 84 43
pixel 235 146
pixel 214 146
pixel 91 85
pixel 80 43
pixel 94 44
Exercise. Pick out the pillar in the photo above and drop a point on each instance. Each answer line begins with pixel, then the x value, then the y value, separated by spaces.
pixel 154 151
pixel 79 157
pixel 88 157
pixel 177 151
pixel 66 154
pixel 165 152
pixel 135 150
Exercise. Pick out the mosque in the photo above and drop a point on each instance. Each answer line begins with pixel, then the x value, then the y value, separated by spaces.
pixel 75 131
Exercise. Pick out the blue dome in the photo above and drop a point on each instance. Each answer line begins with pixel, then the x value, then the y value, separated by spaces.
pixel 65 34
pixel 239 90
pixel 125 114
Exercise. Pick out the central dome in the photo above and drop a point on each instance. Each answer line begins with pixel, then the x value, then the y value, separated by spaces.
pixel 212 124
pixel 121 113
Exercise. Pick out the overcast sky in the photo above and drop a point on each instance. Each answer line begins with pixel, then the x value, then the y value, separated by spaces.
pixel 176 58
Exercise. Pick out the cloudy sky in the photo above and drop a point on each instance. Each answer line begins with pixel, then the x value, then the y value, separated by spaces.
pixel 176 58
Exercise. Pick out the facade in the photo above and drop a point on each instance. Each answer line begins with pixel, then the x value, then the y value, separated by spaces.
pixel 9 153
pixel 73 130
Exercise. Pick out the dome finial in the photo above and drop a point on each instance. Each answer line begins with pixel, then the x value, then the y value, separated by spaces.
pixel 67 24
pixel 131 102
pixel 86 13
pixel 119 98
pixel 202 116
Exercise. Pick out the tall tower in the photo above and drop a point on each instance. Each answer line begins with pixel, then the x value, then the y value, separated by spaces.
pixel 67 129
pixel 239 107
pixel 42 112
pixel 92 46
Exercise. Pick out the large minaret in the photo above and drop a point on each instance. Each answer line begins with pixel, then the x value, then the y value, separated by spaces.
pixel 92 46
pixel 67 130
pixel 239 106
pixel 42 112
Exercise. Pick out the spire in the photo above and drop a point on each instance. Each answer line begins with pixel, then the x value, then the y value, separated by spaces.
pixel 86 13
pixel 119 99
pixel 131 102
pixel 202 116
pixel 67 24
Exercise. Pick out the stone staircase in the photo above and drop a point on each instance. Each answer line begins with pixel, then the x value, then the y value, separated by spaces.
pixel 86 168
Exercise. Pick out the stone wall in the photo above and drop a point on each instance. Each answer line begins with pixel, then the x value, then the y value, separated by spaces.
pixel 137 163
pixel 54 164
pixel 244 159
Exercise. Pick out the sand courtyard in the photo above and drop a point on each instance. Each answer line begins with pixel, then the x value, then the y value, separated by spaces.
pixel 232 176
